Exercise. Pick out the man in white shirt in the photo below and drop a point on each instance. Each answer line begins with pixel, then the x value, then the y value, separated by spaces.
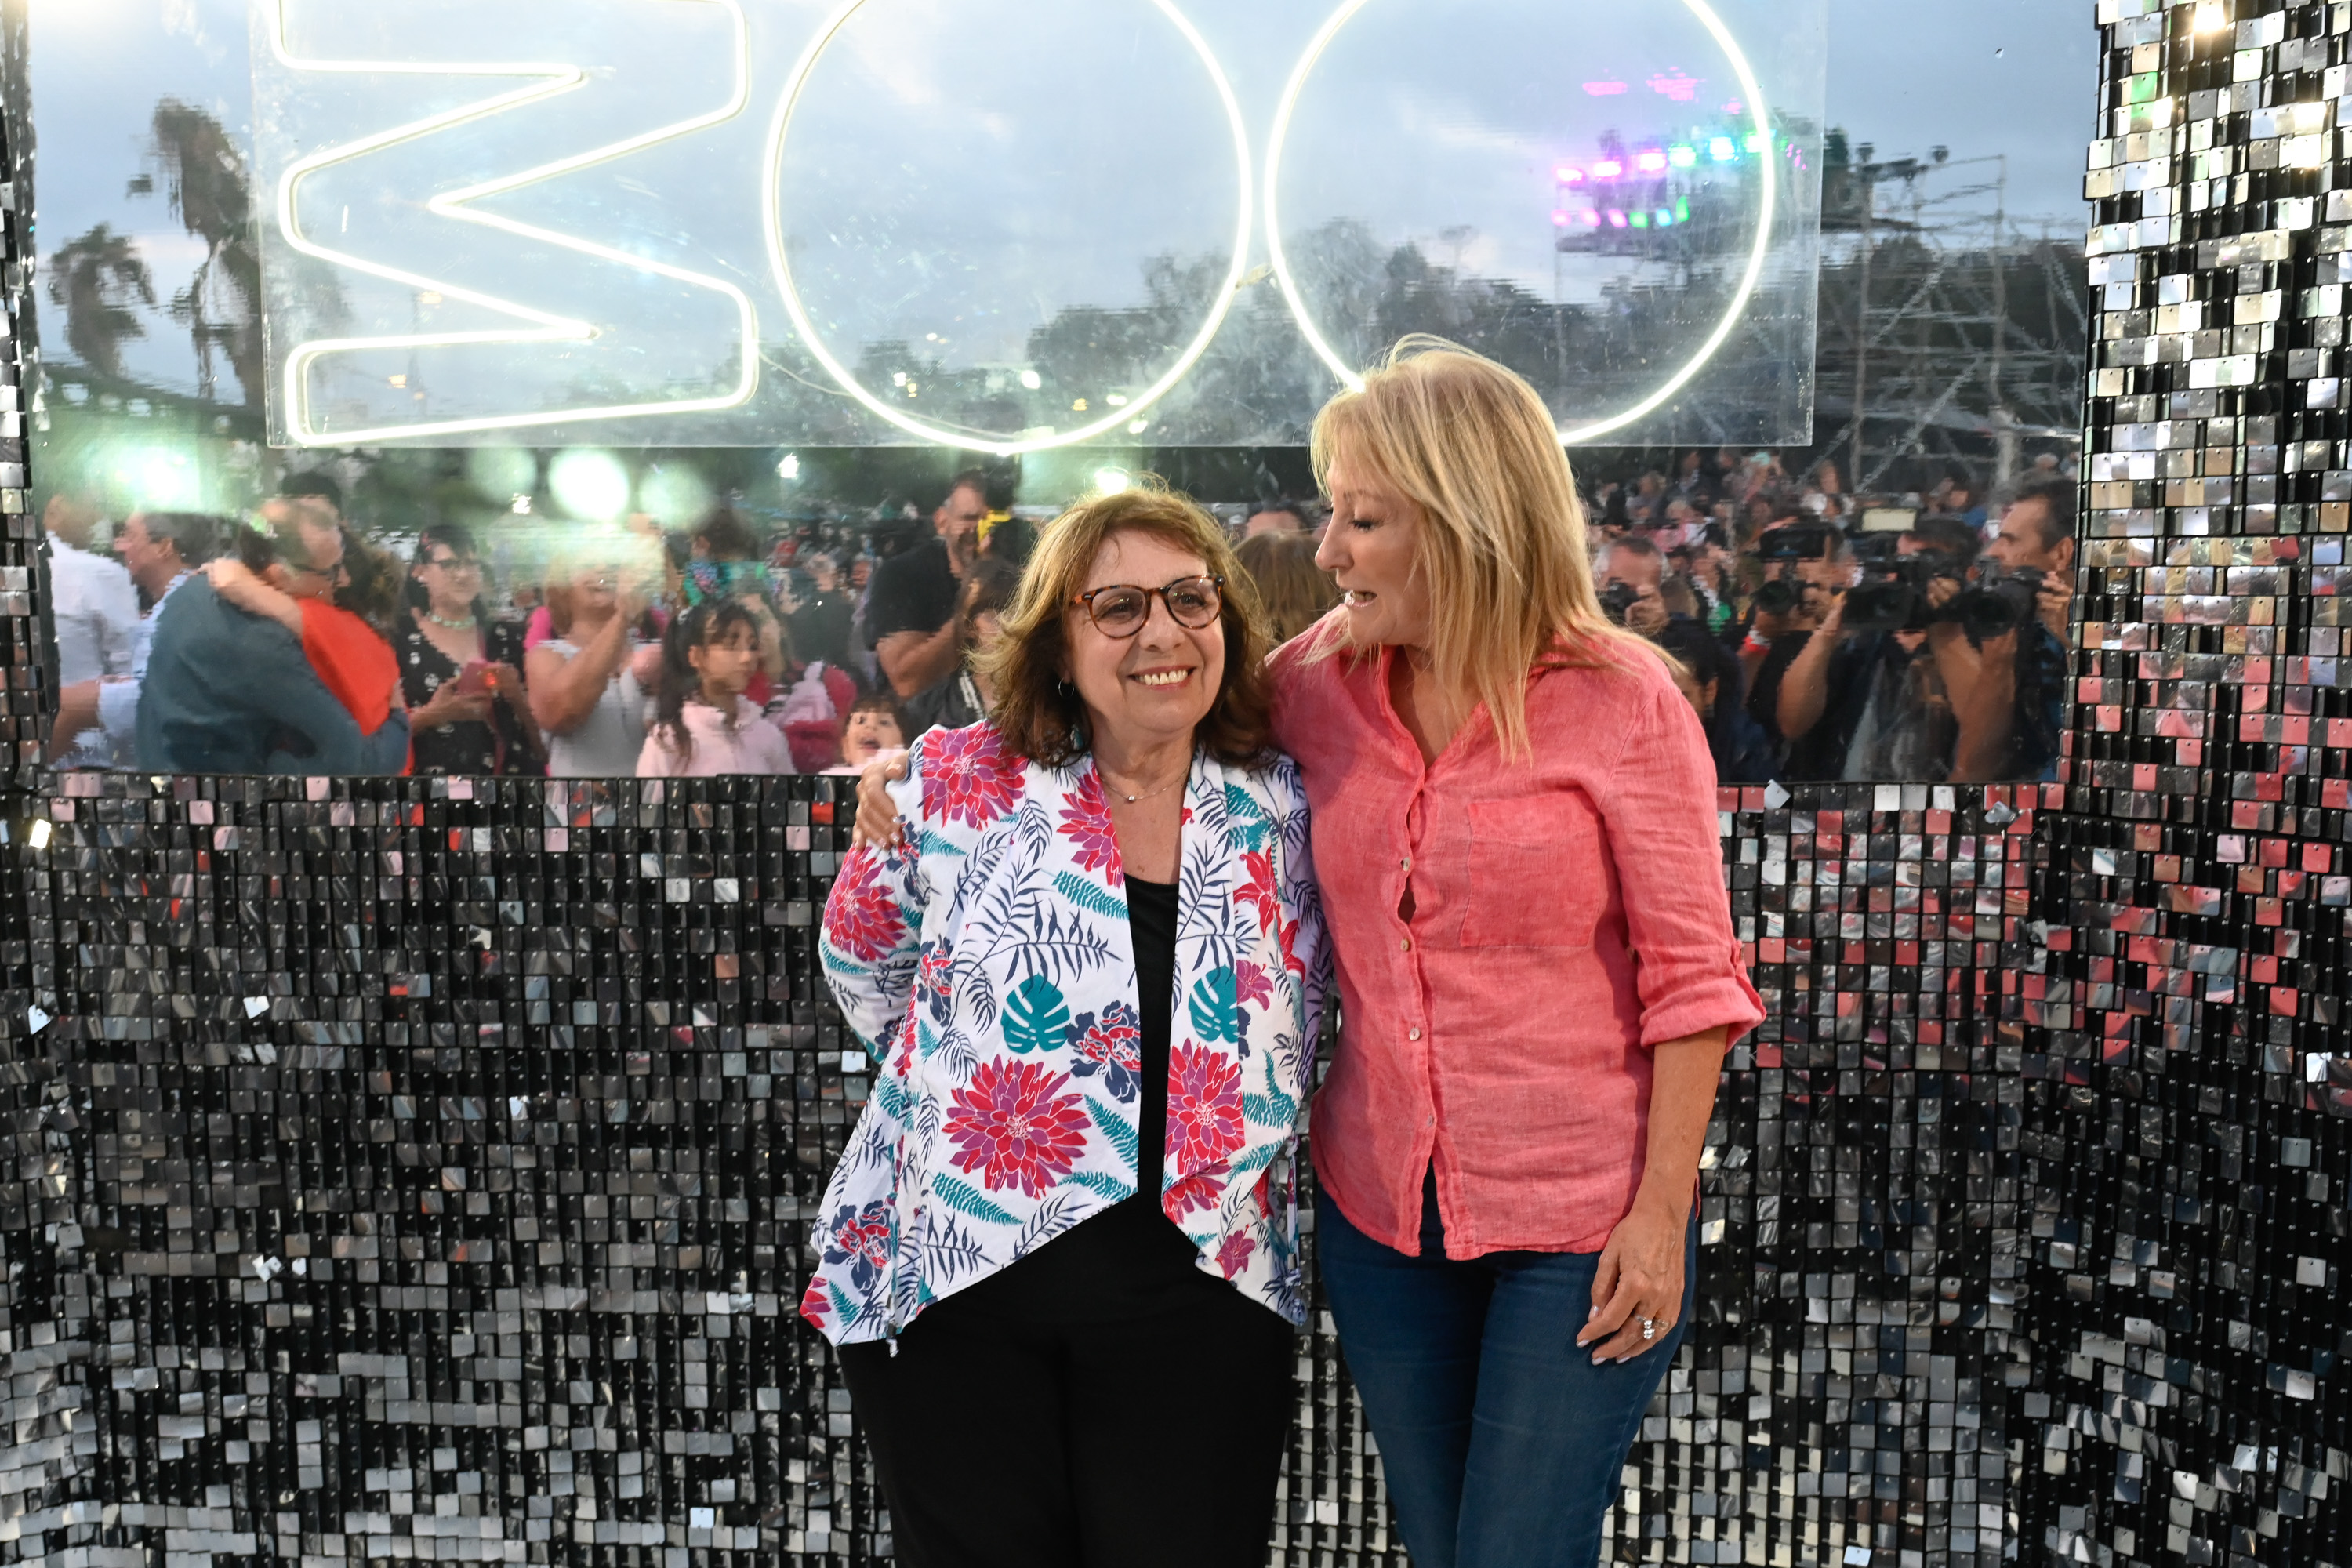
pixel 98 720
pixel 90 597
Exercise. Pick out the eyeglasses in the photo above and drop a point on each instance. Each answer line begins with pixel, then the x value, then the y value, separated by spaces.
pixel 1122 609
pixel 337 572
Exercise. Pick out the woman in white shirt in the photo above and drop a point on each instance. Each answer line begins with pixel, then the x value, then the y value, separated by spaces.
pixel 590 682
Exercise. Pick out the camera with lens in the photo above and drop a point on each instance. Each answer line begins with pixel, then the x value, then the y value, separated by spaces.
pixel 1999 601
pixel 1617 602
pixel 1891 596
pixel 1798 542
pixel 1779 546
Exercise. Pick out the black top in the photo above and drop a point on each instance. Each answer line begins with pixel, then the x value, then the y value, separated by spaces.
pixel 497 747
pixel 1151 921
pixel 1126 1258
pixel 914 591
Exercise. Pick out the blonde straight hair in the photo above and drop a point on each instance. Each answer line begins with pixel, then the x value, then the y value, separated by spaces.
pixel 1504 550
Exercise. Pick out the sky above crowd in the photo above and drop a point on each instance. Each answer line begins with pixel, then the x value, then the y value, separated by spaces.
pixel 1982 78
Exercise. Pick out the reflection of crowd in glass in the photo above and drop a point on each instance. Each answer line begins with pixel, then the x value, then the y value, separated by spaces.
pixel 1817 637
pixel 288 642
pixel 1824 637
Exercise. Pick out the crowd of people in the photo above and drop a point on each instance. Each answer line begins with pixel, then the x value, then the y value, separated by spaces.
pixel 1817 635
pixel 289 642
pixel 1823 637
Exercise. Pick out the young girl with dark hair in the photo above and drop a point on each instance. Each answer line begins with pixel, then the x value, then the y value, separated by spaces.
pixel 703 724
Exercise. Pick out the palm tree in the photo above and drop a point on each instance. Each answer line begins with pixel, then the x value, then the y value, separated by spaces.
pixel 212 195
pixel 99 279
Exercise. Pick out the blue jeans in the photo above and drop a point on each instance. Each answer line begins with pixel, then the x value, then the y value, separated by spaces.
pixel 1502 1443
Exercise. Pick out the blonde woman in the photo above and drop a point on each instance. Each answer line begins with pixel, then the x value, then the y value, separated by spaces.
pixel 1512 802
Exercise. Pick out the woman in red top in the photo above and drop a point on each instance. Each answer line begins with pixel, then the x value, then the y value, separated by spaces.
pixel 1515 835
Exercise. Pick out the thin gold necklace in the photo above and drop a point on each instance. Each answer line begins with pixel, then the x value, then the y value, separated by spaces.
pixel 1147 795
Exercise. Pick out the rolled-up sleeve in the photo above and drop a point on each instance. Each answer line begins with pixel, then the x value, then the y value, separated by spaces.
pixel 1660 818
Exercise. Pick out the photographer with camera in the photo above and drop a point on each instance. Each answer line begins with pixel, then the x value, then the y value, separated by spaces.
pixel 1632 573
pixel 2012 719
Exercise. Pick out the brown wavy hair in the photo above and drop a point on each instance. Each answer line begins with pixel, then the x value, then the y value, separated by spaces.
pixel 1037 711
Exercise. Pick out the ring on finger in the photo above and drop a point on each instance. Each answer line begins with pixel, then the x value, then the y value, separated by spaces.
pixel 1649 1327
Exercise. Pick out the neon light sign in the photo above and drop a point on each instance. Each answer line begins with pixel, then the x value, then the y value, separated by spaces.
pixel 715 369
pixel 1120 417
pixel 554 80
pixel 1759 252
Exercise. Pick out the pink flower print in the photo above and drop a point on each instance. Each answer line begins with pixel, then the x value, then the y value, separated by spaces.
pixel 816 1306
pixel 1015 1126
pixel 1205 1107
pixel 1259 890
pixel 1251 985
pixel 970 776
pixel 861 1239
pixel 1290 959
pixel 1235 1254
pixel 1200 1190
pixel 862 918
pixel 1086 820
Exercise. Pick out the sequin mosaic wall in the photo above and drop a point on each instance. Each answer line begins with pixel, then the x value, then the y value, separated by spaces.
pixel 423 1169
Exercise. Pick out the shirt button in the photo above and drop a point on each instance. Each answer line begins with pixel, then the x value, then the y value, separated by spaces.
pixel 1412 1034
pixel 1406 945
pixel 1406 862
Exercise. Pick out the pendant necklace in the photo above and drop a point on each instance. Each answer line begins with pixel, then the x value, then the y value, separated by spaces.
pixel 1147 795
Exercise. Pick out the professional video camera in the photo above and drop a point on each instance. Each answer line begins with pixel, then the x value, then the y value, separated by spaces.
pixel 1799 542
pixel 1892 593
pixel 1617 602
pixel 1999 601
pixel 1891 596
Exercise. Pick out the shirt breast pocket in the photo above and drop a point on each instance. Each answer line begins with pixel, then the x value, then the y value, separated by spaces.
pixel 1537 872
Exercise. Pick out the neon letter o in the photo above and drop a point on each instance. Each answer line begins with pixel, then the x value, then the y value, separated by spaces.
pixel 1348 375
pixel 772 203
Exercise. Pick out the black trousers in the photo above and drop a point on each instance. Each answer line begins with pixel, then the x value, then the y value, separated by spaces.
pixel 1023 1425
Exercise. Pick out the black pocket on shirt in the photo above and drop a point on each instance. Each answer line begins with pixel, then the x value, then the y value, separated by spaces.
pixel 1537 872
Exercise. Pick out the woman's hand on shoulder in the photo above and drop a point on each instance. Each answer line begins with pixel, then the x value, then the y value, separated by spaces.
pixel 877 814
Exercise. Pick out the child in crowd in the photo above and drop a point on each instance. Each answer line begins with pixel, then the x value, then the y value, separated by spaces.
pixel 703 724
pixel 874 727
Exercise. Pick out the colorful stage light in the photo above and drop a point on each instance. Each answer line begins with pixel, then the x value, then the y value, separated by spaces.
pixel 1608 169
pixel 1651 163
pixel 1683 157
pixel 1760 250
pixel 1723 149
pixel 1570 176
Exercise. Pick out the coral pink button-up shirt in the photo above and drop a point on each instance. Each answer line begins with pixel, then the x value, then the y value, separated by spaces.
pixel 1568 913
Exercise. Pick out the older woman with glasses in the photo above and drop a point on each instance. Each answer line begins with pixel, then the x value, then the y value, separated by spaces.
pixel 467 703
pixel 1061 1257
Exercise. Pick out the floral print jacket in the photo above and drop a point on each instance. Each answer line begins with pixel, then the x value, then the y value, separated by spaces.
pixel 989 969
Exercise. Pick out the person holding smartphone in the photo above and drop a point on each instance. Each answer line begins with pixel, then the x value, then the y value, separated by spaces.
pixel 459 669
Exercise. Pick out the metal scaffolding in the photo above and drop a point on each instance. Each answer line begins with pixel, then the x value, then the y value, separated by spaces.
pixel 1947 330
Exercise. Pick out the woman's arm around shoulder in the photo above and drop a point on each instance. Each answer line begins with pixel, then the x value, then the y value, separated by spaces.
pixel 1305 944
pixel 872 938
